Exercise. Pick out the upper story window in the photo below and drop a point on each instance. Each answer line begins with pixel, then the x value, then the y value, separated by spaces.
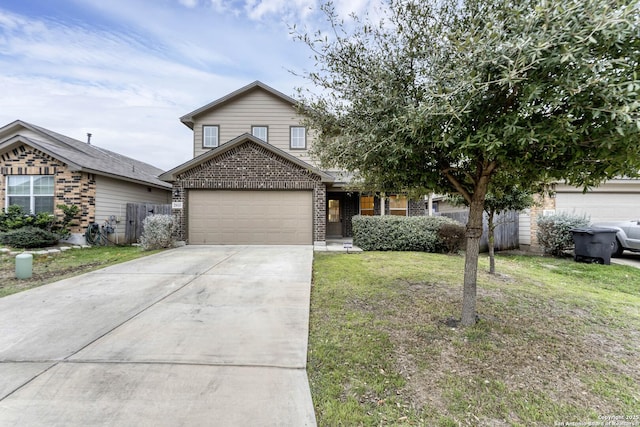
pixel 398 205
pixel 210 136
pixel 298 137
pixel 33 192
pixel 261 132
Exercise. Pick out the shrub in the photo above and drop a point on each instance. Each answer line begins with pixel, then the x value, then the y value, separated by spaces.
pixel 157 232
pixel 29 237
pixel 554 232
pixel 15 217
pixel 69 214
pixel 451 237
pixel 395 233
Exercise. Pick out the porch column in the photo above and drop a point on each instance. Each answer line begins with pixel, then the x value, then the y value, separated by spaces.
pixel 382 204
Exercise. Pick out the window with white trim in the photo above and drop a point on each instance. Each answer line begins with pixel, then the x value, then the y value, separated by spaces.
pixel 210 136
pixel 33 192
pixel 261 132
pixel 298 137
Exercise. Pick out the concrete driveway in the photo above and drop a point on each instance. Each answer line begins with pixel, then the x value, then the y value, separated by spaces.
pixel 631 259
pixel 200 335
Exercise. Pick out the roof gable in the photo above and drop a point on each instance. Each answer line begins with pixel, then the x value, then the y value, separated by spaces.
pixel 242 139
pixel 188 119
pixel 79 155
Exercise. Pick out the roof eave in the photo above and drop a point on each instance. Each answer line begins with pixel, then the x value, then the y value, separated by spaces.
pixel 25 140
pixel 124 178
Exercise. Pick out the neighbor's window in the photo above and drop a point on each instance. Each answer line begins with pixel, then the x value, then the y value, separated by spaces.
pixel 33 192
pixel 298 137
pixel 210 136
pixel 260 132
pixel 398 205
pixel 366 205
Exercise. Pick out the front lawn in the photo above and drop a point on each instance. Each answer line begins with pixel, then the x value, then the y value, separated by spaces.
pixel 558 342
pixel 50 268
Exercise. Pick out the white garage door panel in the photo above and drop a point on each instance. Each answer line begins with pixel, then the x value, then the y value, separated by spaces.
pixel 600 207
pixel 250 217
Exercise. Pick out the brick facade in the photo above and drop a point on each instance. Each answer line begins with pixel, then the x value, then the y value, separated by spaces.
pixel 417 208
pixel 70 188
pixel 249 166
pixel 542 203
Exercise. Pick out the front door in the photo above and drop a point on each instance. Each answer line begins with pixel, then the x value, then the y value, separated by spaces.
pixel 334 218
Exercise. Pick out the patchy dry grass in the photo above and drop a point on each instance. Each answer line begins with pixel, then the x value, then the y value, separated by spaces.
pixel 50 268
pixel 557 342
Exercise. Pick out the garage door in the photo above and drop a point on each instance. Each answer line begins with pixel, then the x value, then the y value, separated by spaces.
pixel 250 217
pixel 600 207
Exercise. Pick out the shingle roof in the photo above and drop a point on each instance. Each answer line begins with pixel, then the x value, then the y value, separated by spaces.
pixel 85 157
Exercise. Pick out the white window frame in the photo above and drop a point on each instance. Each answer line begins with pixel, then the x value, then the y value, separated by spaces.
pixel 261 127
pixel 210 141
pixel 296 141
pixel 32 196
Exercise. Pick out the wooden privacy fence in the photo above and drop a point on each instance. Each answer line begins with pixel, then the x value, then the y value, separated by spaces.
pixel 136 213
pixel 505 233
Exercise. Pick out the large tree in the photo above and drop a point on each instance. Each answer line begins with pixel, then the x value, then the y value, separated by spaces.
pixel 445 94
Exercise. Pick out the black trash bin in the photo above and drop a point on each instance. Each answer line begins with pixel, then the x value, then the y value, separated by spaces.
pixel 593 244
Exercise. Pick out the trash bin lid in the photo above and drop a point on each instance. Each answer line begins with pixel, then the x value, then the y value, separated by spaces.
pixel 596 230
pixel 593 230
pixel 581 230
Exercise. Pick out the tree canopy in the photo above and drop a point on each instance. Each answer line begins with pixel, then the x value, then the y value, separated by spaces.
pixel 443 95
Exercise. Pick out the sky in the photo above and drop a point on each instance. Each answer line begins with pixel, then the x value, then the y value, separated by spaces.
pixel 127 70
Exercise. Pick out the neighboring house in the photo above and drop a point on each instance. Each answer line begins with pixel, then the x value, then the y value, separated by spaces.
pixel 613 200
pixel 41 169
pixel 252 179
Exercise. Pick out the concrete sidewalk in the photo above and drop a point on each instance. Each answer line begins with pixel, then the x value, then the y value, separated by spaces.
pixel 200 335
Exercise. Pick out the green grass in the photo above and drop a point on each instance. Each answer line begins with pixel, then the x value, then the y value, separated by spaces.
pixel 50 268
pixel 557 342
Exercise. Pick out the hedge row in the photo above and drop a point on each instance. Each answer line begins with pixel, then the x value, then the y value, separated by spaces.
pixel 397 233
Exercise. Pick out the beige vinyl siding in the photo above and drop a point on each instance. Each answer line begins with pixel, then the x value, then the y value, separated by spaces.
pixel 256 107
pixel 113 195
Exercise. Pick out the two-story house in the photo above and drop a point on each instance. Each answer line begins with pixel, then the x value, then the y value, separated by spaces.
pixel 252 179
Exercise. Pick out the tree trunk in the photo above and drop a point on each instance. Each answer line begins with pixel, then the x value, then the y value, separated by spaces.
pixel 492 242
pixel 473 234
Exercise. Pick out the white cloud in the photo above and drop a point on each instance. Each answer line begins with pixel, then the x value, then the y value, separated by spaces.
pixel 129 83
pixel 188 3
pixel 288 9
